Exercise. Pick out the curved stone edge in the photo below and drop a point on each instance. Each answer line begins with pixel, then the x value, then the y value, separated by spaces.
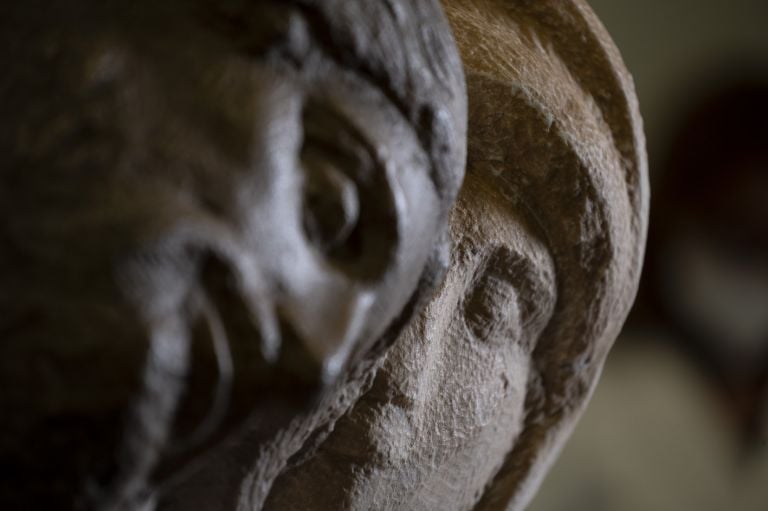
pixel 561 80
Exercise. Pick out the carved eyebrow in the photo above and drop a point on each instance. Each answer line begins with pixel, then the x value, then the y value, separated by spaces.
pixel 318 116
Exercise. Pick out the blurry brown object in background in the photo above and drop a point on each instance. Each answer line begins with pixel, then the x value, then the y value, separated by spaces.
pixel 707 261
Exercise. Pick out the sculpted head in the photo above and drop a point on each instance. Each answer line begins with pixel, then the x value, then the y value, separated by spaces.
pixel 476 397
pixel 216 215
pixel 208 208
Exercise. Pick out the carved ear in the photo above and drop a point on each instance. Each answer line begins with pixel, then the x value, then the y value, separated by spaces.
pixel 554 124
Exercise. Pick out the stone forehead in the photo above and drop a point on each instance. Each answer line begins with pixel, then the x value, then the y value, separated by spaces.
pixel 404 48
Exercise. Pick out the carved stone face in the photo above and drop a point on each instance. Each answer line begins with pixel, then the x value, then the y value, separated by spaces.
pixel 214 215
pixel 480 391
pixel 433 438
pixel 207 209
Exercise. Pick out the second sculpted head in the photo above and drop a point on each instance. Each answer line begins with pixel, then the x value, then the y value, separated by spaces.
pixel 210 211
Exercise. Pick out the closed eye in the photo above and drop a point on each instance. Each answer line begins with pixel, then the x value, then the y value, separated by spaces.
pixel 504 303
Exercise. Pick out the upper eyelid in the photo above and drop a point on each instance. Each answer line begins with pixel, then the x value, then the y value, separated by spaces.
pixel 331 149
pixel 326 136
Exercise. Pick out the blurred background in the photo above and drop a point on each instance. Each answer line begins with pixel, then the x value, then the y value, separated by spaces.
pixel 679 420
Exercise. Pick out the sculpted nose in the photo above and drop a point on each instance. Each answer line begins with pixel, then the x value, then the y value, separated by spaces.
pixel 325 306
pixel 321 309
pixel 328 317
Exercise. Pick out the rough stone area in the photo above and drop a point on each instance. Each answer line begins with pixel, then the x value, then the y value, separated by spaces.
pixel 255 199
pixel 476 398
pixel 214 215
